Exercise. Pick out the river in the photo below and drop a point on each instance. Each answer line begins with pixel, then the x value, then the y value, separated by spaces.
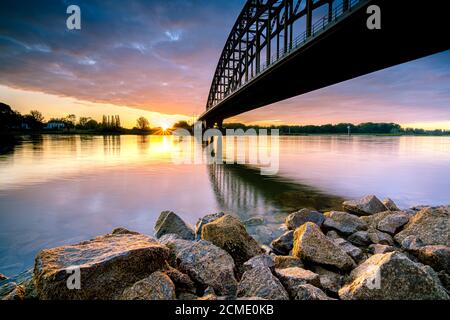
pixel 62 189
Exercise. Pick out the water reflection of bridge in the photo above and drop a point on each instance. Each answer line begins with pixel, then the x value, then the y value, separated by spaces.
pixel 243 190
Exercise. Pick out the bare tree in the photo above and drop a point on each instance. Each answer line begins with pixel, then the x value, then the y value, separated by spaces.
pixel 142 123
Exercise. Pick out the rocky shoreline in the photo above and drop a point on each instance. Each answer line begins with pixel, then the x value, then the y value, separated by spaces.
pixel 371 250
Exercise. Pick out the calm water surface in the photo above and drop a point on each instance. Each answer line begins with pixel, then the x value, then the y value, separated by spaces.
pixel 58 190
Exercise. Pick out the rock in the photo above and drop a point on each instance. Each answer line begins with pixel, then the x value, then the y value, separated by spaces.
pixel 373 220
pixel 379 237
pixel 30 290
pixel 392 276
pixel 411 243
pixel 390 205
pixel 365 206
pixel 381 248
pixel 287 262
pixel 254 221
pixel 251 298
pixel 266 249
pixel 430 225
pixel 186 296
pixel 312 245
pixel 260 282
pixel 393 222
pixel 283 244
pixel 445 280
pixel 309 292
pixel 437 256
pixel 108 264
pixel 207 297
pixel 2 277
pixel 15 292
pixel 291 278
pixel 344 222
pixel 360 238
pixel 208 265
pixel 354 252
pixel 229 234
pixel 169 223
pixel 181 280
pixel 296 219
pixel 157 286
pixel 123 231
pixel 205 220
pixel 6 288
pixel 263 260
pixel 329 281
pixel 333 234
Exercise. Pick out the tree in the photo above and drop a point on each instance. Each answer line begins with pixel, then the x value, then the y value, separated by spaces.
pixel 9 118
pixel 70 121
pixel 182 125
pixel 142 123
pixel 82 122
pixel 37 116
pixel 35 120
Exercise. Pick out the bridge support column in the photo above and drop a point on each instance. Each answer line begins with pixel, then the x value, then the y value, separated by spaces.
pixel 309 6
pixel 345 5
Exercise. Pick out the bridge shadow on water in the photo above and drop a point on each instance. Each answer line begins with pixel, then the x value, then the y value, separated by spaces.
pixel 242 190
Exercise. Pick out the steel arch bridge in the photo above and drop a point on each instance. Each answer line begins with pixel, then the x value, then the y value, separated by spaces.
pixel 278 49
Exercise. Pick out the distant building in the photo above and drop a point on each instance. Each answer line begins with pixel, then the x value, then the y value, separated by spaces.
pixel 55 124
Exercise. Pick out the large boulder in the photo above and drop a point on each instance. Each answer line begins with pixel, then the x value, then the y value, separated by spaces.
pixel 312 245
pixel 170 223
pixel 107 265
pixel 260 282
pixel 365 206
pixel 229 234
pixel 205 220
pixel 291 278
pixel 344 222
pixel 182 281
pixel 438 257
pixel 309 292
pixel 393 222
pixel 208 265
pixel 379 237
pixel 296 219
pixel 392 276
pixel 157 286
pixel 373 220
pixel 283 244
pixel 430 226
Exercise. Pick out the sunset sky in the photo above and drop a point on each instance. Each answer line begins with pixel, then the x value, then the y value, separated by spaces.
pixel 157 58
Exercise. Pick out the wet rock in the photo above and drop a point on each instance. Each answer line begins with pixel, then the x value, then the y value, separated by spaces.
pixel 329 280
pixel 123 231
pixel 390 205
pixel 381 248
pixel 354 252
pixel 229 234
pixel 344 222
pixel 438 257
pixel 309 292
pixel 312 245
pixel 206 219
pixel 430 225
pixel 393 222
pixel 296 219
pixel 208 265
pixel 292 278
pixel 254 221
pixel 379 237
pixel 12 291
pixel 157 286
pixel 260 282
pixel 287 262
pixel 2 277
pixel 392 276
pixel 365 206
pixel 108 264
pixel 283 245
pixel 263 260
pixel 181 280
pixel 360 238
pixel 170 223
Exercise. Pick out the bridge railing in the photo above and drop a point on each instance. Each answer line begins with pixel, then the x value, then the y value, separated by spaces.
pixel 317 28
